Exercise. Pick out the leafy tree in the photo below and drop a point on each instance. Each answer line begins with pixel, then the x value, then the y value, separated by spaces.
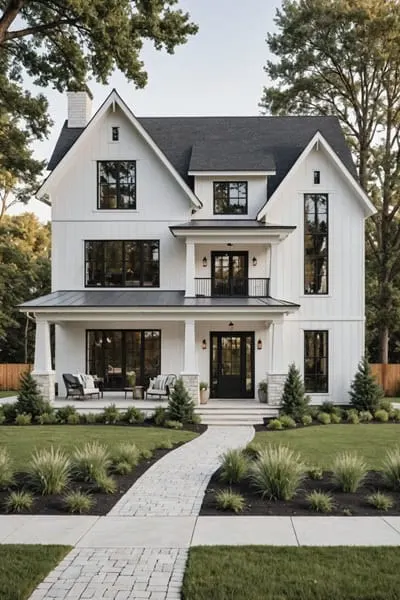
pixel 294 402
pixel 180 406
pixel 30 401
pixel 365 392
pixel 342 57
pixel 24 274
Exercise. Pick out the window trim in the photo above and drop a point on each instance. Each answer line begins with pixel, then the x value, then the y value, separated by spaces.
pixel 315 331
pixel 112 287
pixel 317 294
pixel 99 162
pixel 228 182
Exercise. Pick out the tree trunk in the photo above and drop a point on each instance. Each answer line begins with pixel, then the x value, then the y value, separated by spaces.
pixel 384 344
pixel 9 15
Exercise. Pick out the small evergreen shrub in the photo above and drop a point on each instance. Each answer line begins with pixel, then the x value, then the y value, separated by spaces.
pixel 126 452
pixel 294 402
pixel 6 468
pixel 380 501
pixel 88 418
pixel 23 419
pixel 63 413
pixel 9 411
pixel 18 502
pixel 349 471
pixel 365 392
pixel 73 419
pixel 228 500
pixel 160 415
pixel 386 404
pixel 111 415
pixel 133 415
pixel 365 416
pixel 173 424
pixel 324 418
pixel 106 484
pixel 287 422
pixel 180 405
pixel 46 419
pixel 352 417
pixel 306 420
pixel 195 420
pixel 396 415
pixel 49 471
pixel 252 450
pixel 90 462
pixel 335 418
pixel 78 502
pixel 382 416
pixel 313 411
pixel 234 466
pixel 274 425
pixel 315 473
pixel 391 468
pixel 277 473
pixel 320 501
pixel 328 407
pixel 29 400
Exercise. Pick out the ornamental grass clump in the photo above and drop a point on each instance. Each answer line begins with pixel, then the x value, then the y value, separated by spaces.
pixel 274 425
pixel 315 473
pixel 391 468
pixel 352 416
pixel 126 452
pixel 133 416
pixel 252 450
pixel 6 468
pixel 306 420
pixel 365 416
pixel 18 502
pixel 49 471
pixel 90 462
pixel 277 473
pixel 336 418
pixel 320 501
pixel 382 416
pixel 324 418
pixel 78 502
pixel 380 501
pixel 234 466
pixel 349 471
pixel 106 484
pixel 228 500
pixel 287 422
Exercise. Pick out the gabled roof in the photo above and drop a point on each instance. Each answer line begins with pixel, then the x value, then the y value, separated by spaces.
pixel 253 142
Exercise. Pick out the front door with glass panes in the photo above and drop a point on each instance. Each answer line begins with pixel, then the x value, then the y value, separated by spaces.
pixel 229 273
pixel 232 365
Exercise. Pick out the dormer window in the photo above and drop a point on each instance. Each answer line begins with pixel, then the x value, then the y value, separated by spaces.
pixel 230 197
pixel 115 134
pixel 116 184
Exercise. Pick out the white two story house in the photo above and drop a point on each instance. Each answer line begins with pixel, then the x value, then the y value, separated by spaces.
pixel 216 248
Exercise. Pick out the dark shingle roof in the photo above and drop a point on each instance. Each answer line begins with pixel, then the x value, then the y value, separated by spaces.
pixel 147 298
pixel 253 142
pixel 228 224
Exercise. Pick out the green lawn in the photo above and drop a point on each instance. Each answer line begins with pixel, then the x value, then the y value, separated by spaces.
pixel 287 573
pixel 319 444
pixel 21 441
pixel 23 567
pixel 7 394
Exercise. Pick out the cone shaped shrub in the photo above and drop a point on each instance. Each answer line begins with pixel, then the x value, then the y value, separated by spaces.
pixel 180 405
pixel 365 392
pixel 294 401
pixel 29 399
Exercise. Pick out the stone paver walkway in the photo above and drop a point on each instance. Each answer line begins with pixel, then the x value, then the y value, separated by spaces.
pixel 116 561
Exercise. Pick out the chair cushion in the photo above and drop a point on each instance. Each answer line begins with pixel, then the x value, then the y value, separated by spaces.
pixel 88 381
pixel 79 378
pixel 93 390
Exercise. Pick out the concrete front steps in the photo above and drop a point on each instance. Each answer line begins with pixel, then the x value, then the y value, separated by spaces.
pixel 235 415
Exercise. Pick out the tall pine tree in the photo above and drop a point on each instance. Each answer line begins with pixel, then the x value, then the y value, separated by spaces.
pixel 294 401
pixel 30 400
pixel 365 392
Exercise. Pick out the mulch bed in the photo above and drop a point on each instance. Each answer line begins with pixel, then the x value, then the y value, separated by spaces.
pixel 260 427
pixel 345 504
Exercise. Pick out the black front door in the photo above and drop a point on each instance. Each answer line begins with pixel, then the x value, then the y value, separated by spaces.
pixel 229 273
pixel 232 365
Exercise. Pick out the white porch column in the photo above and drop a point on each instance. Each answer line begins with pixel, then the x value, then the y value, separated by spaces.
pixel 273 271
pixel 190 270
pixel 42 371
pixel 278 368
pixel 190 375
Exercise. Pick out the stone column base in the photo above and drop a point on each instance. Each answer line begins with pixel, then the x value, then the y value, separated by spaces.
pixel 191 382
pixel 276 381
pixel 45 383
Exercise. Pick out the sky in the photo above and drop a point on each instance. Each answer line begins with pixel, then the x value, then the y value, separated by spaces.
pixel 217 72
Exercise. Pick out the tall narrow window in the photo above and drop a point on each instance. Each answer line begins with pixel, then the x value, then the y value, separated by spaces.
pixel 316 243
pixel 116 184
pixel 115 134
pixel 230 197
pixel 316 361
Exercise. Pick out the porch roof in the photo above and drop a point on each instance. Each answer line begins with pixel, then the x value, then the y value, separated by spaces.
pixel 249 229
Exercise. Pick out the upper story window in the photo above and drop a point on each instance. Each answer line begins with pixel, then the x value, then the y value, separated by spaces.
pixel 316 361
pixel 115 134
pixel 117 263
pixel 116 184
pixel 317 177
pixel 315 243
pixel 230 197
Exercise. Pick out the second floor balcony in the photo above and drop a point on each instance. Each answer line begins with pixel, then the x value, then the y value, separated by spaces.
pixel 232 287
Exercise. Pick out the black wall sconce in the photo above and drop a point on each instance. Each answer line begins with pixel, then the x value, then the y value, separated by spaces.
pixel 204 344
pixel 231 325
pixel 259 344
pixel 205 261
pixel 254 261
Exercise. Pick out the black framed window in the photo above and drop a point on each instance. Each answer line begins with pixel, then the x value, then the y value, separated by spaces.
pixel 230 197
pixel 316 361
pixel 116 184
pixel 315 243
pixel 122 263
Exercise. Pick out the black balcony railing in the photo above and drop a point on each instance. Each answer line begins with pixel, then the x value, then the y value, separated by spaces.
pixel 236 286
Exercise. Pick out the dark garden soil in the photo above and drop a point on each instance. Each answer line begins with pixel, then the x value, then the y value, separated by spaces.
pixel 102 503
pixel 345 504
pixel 264 427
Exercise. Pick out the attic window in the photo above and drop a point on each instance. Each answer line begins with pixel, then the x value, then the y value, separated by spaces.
pixel 317 177
pixel 115 134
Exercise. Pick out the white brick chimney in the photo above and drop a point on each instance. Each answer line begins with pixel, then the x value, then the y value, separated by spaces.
pixel 79 109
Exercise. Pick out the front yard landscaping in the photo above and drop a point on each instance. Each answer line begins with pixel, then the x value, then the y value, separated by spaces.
pixel 7 394
pixel 23 567
pixel 287 573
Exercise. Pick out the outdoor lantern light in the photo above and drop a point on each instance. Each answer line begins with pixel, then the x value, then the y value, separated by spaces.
pixel 254 261
pixel 204 344
pixel 205 261
pixel 231 325
pixel 259 344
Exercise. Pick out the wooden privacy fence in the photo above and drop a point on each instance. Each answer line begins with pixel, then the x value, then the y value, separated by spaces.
pixel 389 377
pixel 10 375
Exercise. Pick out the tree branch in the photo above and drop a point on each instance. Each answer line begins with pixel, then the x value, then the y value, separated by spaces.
pixel 12 35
